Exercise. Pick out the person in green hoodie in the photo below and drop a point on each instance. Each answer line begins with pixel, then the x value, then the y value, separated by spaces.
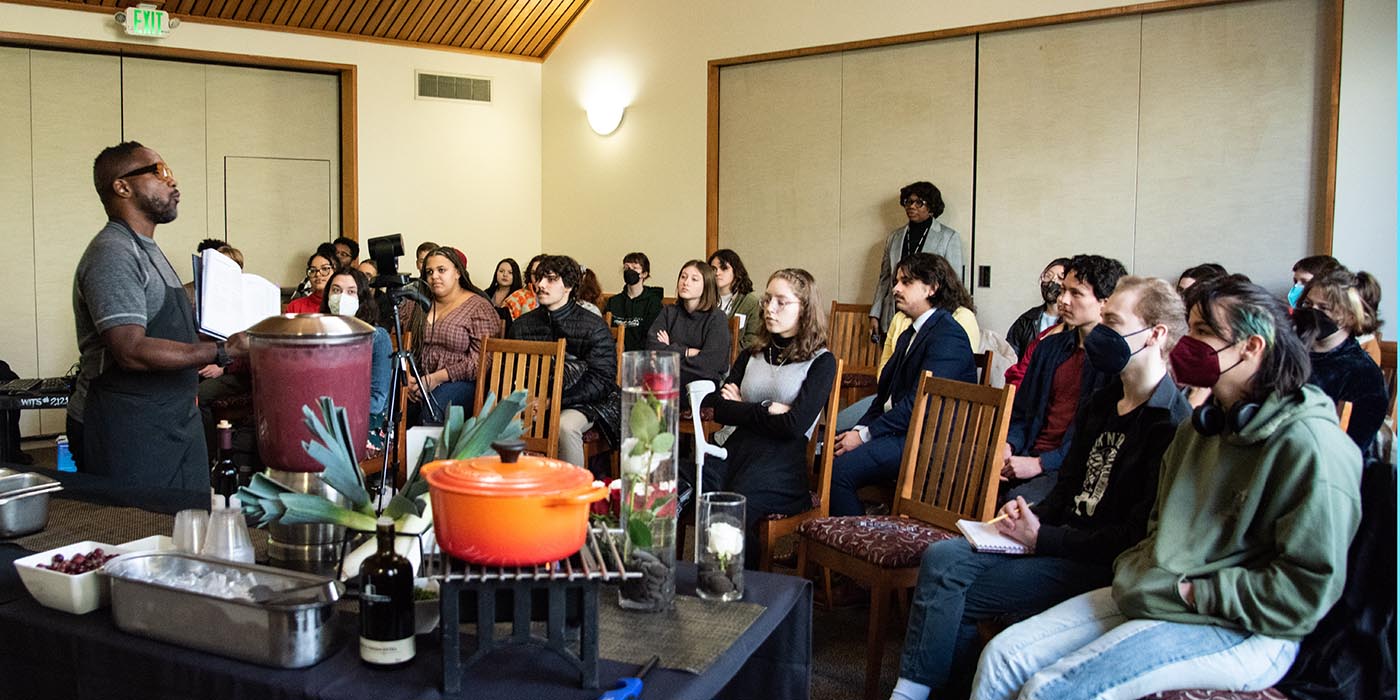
pixel 637 305
pixel 1246 547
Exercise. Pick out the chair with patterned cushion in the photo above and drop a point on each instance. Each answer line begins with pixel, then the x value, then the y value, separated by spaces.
pixel 776 527
pixel 949 471
pixel 850 326
pixel 538 368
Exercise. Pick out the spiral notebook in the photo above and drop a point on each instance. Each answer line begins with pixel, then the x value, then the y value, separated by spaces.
pixel 984 538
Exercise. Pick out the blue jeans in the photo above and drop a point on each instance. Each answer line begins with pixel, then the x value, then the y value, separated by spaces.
pixel 1086 648
pixel 959 587
pixel 448 393
pixel 873 462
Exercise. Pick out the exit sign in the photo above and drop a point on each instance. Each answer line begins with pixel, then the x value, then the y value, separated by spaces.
pixel 146 20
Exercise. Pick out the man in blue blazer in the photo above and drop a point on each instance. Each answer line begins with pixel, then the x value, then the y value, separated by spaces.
pixel 870 452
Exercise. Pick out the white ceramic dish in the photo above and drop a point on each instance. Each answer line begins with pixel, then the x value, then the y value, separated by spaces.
pixel 78 594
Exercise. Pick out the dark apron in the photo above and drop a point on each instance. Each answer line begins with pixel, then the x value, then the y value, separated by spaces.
pixel 144 427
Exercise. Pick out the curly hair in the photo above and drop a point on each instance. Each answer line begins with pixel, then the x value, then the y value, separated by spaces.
pixel 811 322
pixel 1099 272
pixel 925 191
pixel 562 265
pixel 1347 295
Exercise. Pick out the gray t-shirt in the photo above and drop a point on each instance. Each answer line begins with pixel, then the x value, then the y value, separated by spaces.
pixel 116 284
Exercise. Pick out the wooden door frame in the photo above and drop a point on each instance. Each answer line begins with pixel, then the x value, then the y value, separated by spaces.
pixel 344 72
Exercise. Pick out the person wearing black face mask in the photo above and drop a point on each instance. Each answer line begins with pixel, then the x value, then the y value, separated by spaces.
pixel 1330 314
pixel 1038 318
pixel 1097 509
pixel 638 305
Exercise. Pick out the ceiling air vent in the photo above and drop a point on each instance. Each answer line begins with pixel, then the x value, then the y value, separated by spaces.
pixel 437 86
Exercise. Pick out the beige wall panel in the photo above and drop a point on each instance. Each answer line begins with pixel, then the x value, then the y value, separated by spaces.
pixel 906 115
pixel 1057 141
pixel 1229 132
pixel 163 108
pixel 272 114
pixel 19 342
pixel 278 208
pixel 779 179
pixel 76 113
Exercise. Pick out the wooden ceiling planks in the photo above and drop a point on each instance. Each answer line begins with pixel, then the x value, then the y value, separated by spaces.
pixel 521 28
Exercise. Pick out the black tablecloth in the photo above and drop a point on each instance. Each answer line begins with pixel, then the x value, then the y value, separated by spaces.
pixel 49 654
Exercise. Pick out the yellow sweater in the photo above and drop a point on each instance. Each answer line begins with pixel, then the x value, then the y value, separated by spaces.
pixel 900 322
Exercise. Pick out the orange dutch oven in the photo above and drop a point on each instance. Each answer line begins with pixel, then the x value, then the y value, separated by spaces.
pixel 510 510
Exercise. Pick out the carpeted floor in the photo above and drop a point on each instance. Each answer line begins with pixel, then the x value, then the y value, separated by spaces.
pixel 838 636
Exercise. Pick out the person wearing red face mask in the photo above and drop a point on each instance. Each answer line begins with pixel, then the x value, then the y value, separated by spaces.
pixel 1246 549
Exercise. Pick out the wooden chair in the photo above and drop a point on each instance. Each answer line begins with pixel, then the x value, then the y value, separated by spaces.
pixel 594 443
pixel 1388 371
pixel 538 368
pixel 949 471
pixel 1344 415
pixel 982 361
pixel 774 528
pixel 850 326
pixel 734 335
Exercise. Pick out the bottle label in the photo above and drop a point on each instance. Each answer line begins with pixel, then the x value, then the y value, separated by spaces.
pixel 387 652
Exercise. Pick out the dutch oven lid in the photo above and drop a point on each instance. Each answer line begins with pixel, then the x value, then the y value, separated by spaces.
pixel 509 474
pixel 309 327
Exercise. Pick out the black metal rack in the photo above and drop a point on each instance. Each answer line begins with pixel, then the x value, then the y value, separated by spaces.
pixel 574 580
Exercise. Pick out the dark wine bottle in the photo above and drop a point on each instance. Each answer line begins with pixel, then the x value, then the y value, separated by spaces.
pixel 223 475
pixel 386 604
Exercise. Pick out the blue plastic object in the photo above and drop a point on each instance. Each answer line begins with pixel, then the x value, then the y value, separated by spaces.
pixel 631 686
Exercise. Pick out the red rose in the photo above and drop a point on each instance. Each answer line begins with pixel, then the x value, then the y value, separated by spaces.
pixel 662 386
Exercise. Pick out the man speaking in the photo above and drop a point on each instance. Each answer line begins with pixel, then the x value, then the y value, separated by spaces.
pixel 132 415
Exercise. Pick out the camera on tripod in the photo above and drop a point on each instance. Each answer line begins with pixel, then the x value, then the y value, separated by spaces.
pixel 385 252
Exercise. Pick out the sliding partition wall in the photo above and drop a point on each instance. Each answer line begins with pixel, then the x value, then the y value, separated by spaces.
pixel 256 153
pixel 1163 140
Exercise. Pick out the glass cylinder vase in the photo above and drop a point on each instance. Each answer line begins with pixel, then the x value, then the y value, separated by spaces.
pixel 720 568
pixel 648 454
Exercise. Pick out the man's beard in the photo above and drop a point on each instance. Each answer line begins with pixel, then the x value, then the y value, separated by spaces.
pixel 160 212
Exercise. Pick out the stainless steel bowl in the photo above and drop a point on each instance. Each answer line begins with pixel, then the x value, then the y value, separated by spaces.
pixel 23 514
pixel 293 635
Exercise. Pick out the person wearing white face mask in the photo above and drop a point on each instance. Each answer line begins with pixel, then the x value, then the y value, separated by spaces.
pixel 348 294
pixel 1098 508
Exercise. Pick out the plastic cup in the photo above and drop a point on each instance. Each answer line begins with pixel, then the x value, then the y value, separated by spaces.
pixel 228 537
pixel 190 529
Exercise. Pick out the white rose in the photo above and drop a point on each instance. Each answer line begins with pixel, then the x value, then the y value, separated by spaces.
pixel 639 465
pixel 724 540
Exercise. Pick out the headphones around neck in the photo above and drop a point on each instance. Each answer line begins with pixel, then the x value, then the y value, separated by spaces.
pixel 1210 420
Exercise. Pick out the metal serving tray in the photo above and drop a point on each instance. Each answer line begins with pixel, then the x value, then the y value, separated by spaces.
pixel 22 515
pixel 288 635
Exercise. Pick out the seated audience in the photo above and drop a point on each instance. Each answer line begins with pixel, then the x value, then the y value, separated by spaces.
pixel 447 336
pixel 589 292
pixel 637 305
pixel 773 397
pixel 694 327
pixel 1247 545
pixel 590 394
pixel 523 301
pixel 383 304
pixel 1098 508
pixel 348 294
pixel 318 271
pixel 1198 273
pixel 1303 272
pixel 1035 320
pixel 346 251
pixel 953 298
pixel 1057 383
pixel 1331 313
pixel 870 452
pixel 505 282
pixel 736 295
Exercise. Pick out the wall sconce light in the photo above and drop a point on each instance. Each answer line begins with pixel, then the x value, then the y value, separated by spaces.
pixel 603 119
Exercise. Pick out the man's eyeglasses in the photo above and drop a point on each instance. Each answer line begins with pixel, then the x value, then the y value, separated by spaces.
pixel 319 271
pixel 158 168
pixel 913 202
pixel 767 301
